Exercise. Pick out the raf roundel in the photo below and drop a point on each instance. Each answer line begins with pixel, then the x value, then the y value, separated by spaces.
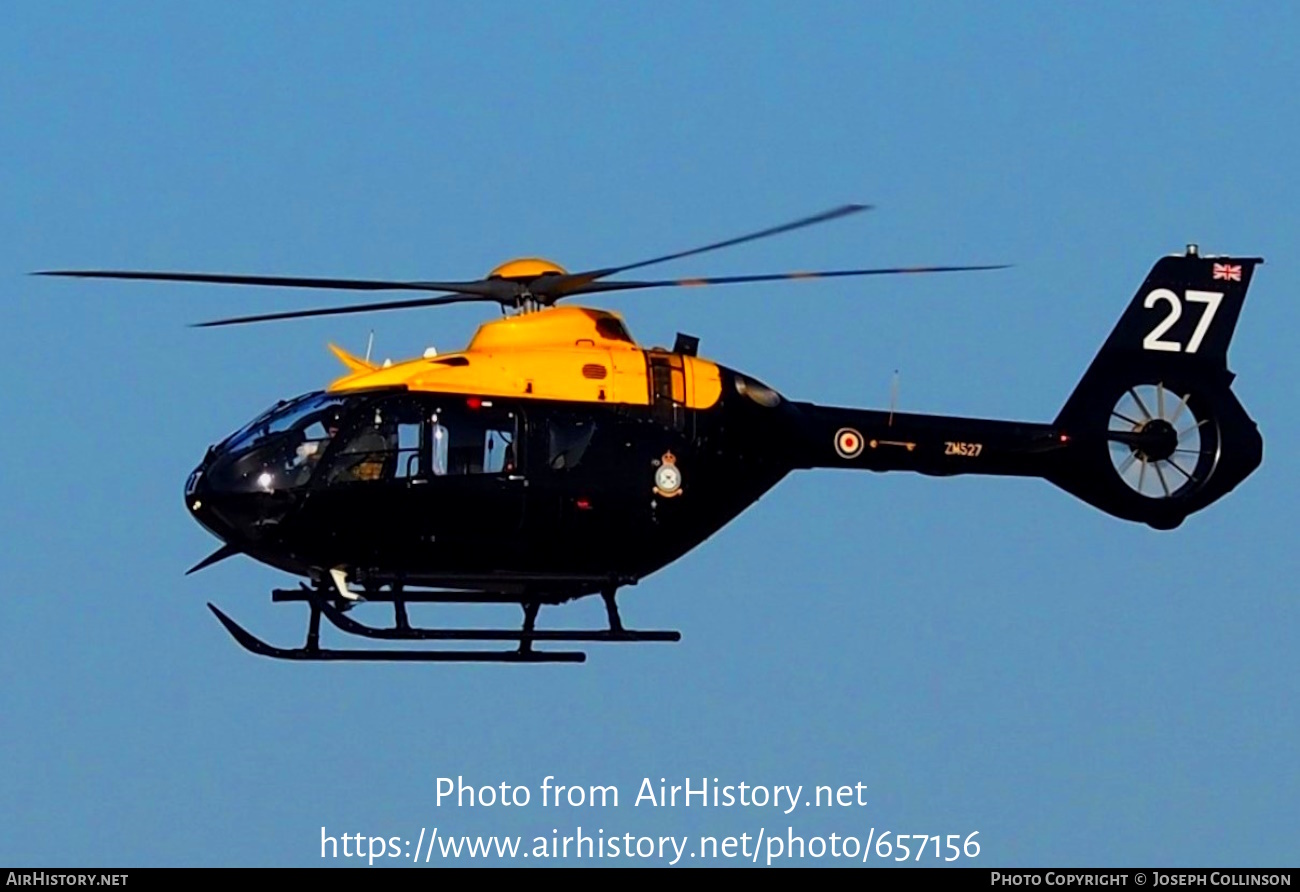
pixel 848 442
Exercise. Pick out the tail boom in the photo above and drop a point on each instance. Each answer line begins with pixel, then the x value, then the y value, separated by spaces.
pixel 938 445
pixel 1152 432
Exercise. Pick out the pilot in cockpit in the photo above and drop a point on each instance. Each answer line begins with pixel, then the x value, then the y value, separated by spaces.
pixel 367 455
pixel 316 439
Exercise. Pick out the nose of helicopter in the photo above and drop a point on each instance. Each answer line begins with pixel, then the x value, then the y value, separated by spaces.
pixel 194 484
pixel 247 488
pixel 223 512
pixel 240 503
pixel 199 499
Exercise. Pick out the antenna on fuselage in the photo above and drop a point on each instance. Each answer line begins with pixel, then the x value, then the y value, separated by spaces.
pixel 893 398
pixel 370 344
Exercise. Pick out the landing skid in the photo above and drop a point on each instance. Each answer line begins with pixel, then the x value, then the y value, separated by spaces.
pixel 323 603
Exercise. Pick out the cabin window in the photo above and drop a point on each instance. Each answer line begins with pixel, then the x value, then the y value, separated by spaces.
pixel 408 450
pixel 440 440
pixel 498 451
pixel 475 442
pixel 568 442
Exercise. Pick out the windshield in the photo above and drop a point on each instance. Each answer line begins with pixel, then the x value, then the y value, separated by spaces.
pixel 282 417
pixel 279 449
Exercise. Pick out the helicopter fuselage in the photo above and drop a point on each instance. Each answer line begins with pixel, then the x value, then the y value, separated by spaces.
pixel 553 450
pixel 555 458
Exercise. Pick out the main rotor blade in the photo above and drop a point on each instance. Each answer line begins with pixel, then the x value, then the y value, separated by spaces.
pixel 359 308
pixel 482 287
pixel 777 277
pixel 573 284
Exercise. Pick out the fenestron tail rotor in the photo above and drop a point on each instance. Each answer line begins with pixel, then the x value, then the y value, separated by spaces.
pixel 522 285
pixel 1160 446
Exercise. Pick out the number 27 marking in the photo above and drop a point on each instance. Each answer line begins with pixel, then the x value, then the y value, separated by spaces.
pixel 1155 340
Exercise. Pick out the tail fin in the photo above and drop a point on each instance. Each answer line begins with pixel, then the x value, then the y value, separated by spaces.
pixel 1155 430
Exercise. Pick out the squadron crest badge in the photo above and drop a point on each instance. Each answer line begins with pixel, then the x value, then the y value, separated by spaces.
pixel 668 477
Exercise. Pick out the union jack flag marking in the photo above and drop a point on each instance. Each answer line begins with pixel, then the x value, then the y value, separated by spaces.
pixel 1229 271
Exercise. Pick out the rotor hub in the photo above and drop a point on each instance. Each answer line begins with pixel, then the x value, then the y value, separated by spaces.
pixel 1158 440
pixel 525 268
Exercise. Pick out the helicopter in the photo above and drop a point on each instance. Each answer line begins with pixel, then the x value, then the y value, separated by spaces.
pixel 554 458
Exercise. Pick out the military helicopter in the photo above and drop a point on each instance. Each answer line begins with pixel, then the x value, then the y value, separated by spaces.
pixel 553 458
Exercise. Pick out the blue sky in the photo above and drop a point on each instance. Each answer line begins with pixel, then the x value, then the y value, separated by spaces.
pixel 986 655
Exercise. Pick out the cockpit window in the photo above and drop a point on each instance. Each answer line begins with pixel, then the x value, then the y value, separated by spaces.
pixel 280 449
pixel 312 412
pixel 381 443
pixel 405 440
pixel 364 456
pixel 341 440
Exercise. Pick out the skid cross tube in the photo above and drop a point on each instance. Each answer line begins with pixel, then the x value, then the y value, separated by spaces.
pixel 413 597
pixel 345 623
